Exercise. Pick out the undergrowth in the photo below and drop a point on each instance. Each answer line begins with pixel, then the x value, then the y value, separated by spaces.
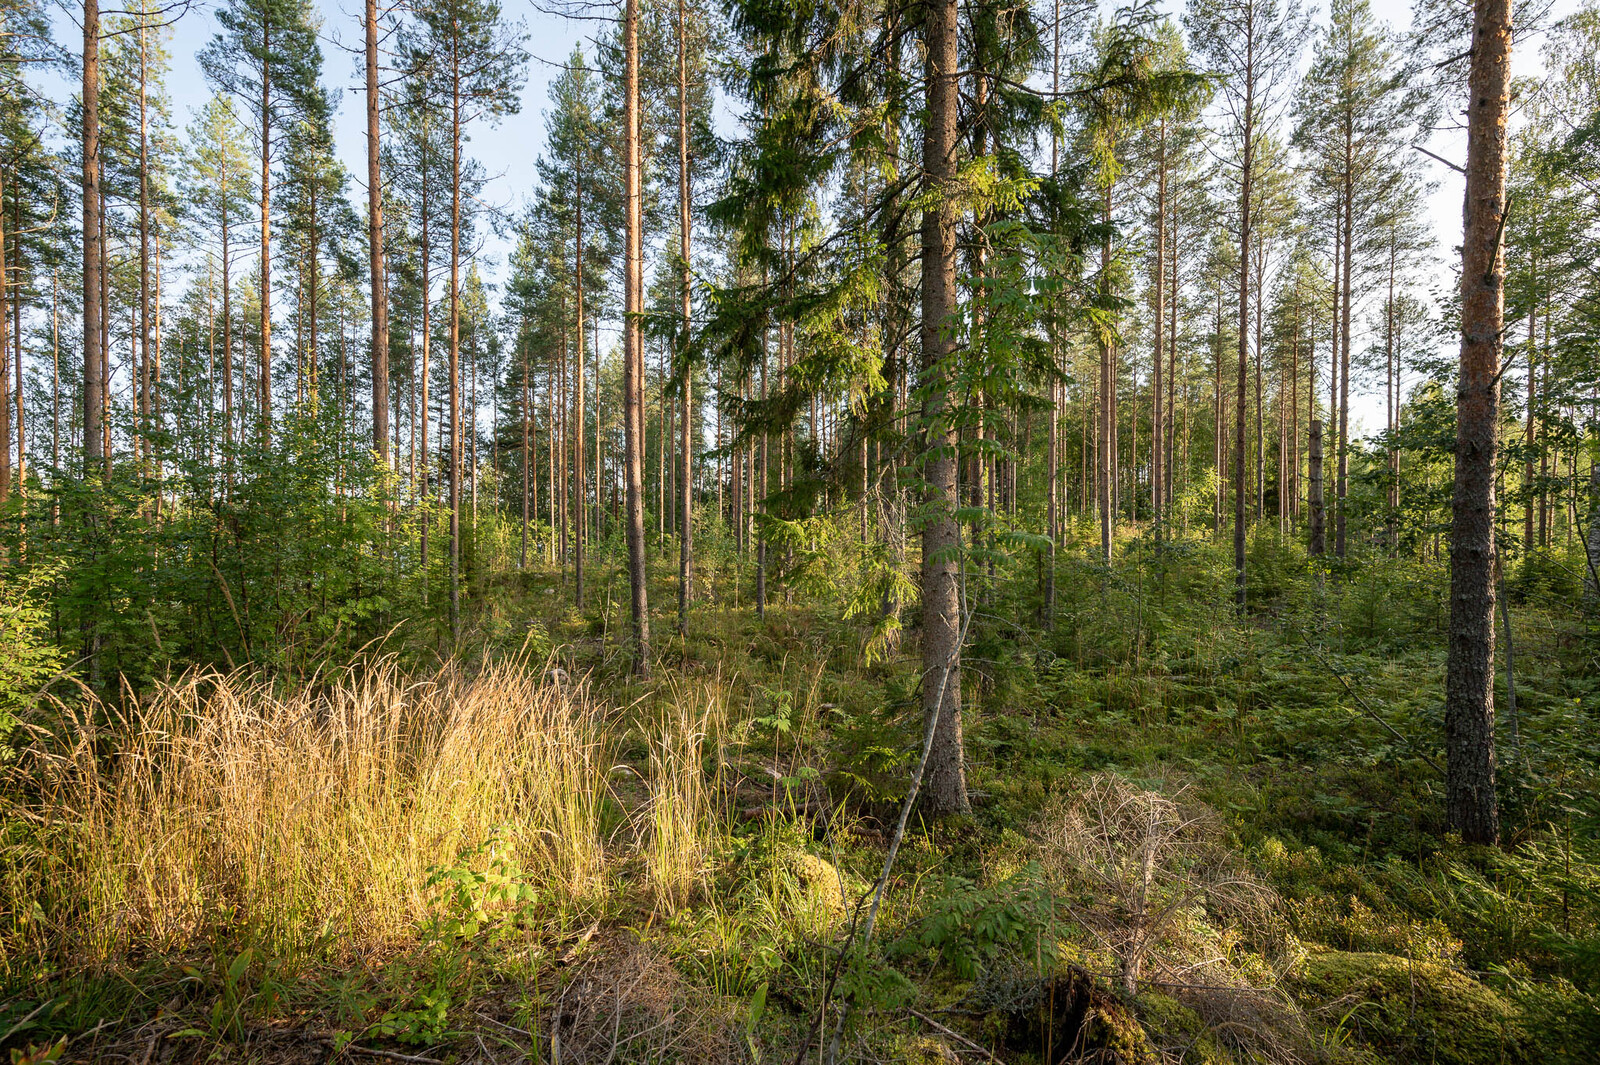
pixel 1195 837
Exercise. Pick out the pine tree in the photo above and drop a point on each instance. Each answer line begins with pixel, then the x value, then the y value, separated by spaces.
pixel 473 63
pixel 375 240
pixel 217 185
pixel 268 57
pixel 1253 45
pixel 1469 675
pixel 583 203
pixel 1352 125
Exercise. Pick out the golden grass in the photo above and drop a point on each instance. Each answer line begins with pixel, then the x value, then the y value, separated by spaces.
pixel 681 814
pixel 301 823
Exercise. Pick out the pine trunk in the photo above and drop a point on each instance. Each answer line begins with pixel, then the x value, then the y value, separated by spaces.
pixel 1469 675
pixel 633 354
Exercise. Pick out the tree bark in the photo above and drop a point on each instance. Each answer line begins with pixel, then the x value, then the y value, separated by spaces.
pixel 5 372
pixel 1158 393
pixel 1246 176
pixel 455 340
pixel 580 515
pixel 93 307
pixel 380 295
pixel 1469 677
pixel 686 532
pixel 941 594
pixel 1106 451
pixel 527 464
pixel 1342 488
pixel 1319 518
pixel 264 380
pixel 633 354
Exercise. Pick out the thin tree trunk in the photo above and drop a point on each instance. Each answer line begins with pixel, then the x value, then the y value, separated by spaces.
pixel 1158 499
pixel 5 362
pixel 686 532
pixel 380 295
pixel 93 306
pixel 1319 520
pixel 1247 176
pixel 427 351
pixel 527 464
pixel 142 406
pixel 1346 287
pixel 264 382
pixel 455 340
pixel 580 503
pixel 1105 457
pixel 633 354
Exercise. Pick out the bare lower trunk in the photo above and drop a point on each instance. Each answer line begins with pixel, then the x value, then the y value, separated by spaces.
pixel 580 516
pixel 1319 517
pixel 686 530
pixel 5 371
pixel 1469 673
pixel 264 371
pixel 455 343
pixel 1246 175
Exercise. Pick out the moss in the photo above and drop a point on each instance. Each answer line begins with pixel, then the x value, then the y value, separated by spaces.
pixel 1074 1010
pixel 1174 1027
pixel 1414 1010
pixel 820 878
pixel 925 1050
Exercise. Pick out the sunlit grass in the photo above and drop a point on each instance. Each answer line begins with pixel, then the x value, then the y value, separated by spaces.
pixel 304 822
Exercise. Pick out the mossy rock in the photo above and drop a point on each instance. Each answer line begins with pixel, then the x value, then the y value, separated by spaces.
pixel 1414 1011
pixel 820 878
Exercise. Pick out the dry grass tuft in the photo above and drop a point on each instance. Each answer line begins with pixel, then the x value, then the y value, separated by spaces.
pixel 630 1004
pixel 222 808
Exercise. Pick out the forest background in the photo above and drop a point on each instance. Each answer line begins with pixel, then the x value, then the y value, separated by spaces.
pixel 868 530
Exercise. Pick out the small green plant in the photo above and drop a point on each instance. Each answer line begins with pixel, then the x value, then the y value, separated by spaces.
pixel 422 1022
pixel 485 888
pixel 969 926
pixel 39 1055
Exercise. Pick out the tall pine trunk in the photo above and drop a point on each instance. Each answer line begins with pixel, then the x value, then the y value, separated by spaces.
pixel 1246 176
pixel 633 353
pixel 93 307
pixel 455 340
pixel 380 296
pixel 264 379
pixel 1469 672
pixel 686 530
pixel 579 503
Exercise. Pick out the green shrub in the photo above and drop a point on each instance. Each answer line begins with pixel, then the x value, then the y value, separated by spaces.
pixel 28 659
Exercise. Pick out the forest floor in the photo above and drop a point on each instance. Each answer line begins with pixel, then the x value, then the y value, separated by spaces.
pixel 1193 839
